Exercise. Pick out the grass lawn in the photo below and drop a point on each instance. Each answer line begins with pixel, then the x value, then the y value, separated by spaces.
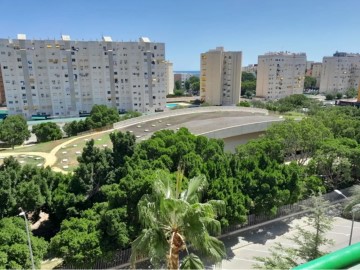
pixel 26 159
pixel 67 156
pixel 39 147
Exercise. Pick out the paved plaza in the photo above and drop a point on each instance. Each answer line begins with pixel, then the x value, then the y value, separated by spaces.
pixel 243 247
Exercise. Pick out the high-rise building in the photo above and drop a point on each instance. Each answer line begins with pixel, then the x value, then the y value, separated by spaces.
pixel 170 75
pixel 280 74
pixel 220 79
pixel 66 77
pixel 2 90
pixel 340 72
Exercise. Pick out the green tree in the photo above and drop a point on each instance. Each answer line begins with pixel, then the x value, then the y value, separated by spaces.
pixel 308 243
pixel 351 93
pixel 247 76
pixel 173 219
pixel 339 95
pixel 329 96
pixel 300 139
pixel 48 131
pixel 14 249
pixel 101 116
pixel 177 85
pixel 243 103
pixel 14 130
pixel 123 146
pixel 78 242
pixel 179 92
pixel 309 82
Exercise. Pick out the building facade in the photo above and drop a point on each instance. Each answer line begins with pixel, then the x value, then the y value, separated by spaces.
pixel 2 90
pixel 280 74
pixel 170 75
pixel 64 78
pixel 340 72
pixel 220 77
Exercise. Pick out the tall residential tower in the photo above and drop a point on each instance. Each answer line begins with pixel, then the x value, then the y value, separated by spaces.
pixel 340 72
pixel 66 77
pixel 280 74
pixel 220 79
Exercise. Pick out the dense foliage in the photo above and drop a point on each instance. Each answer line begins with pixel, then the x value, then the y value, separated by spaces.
pixel 14 249
pixel 48 131
pixel 100 116
pixel 248 84
pixel 94 210
pixel 289 103
pixel 14 130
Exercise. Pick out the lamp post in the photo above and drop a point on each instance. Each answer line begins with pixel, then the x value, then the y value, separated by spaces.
pixel 354 209
pixel 22 213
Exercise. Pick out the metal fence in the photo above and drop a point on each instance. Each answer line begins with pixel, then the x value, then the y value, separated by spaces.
pixel 121 257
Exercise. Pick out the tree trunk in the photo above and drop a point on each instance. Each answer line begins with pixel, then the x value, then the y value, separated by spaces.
pixel 177 245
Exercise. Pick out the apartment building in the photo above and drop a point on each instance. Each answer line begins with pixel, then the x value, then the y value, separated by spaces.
pixel 340 72
pixel 170 75
pixel 2 90
pixel 220 77
pixel 65 77
pixel 280 74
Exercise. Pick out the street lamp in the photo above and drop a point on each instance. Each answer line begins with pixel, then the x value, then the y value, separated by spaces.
pixel 22 213
pixel 354 209
pixel 340 193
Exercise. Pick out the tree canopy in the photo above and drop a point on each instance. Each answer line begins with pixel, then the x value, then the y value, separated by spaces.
pixel 48 131
pixel 14 130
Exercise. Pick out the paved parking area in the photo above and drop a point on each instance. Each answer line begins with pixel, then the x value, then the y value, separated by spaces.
pixel 242 248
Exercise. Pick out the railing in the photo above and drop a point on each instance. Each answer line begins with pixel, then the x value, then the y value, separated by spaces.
pixel 121 257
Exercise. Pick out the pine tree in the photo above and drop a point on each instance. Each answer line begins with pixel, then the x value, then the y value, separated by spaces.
pixel 308 239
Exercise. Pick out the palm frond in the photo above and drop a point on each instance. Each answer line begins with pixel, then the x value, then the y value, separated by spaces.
pixel 163 186
pixel 195 188
pixel 214 249
pixel 140 246
pixel 213 226
pixel 192 261
pixel 147 211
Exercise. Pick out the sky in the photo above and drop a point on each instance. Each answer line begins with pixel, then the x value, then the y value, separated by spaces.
pixel 190 27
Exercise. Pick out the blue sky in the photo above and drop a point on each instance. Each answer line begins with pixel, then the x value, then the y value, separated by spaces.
pixel 189 27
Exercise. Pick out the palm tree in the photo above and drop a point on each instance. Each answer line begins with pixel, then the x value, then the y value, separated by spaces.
pixel 174 219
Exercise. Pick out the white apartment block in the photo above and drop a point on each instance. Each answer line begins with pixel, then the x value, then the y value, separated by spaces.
pixel 220 77
pixel 64 77
pixel 340 72
pixel 280 74
pixel 316 73
pixel 170 75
